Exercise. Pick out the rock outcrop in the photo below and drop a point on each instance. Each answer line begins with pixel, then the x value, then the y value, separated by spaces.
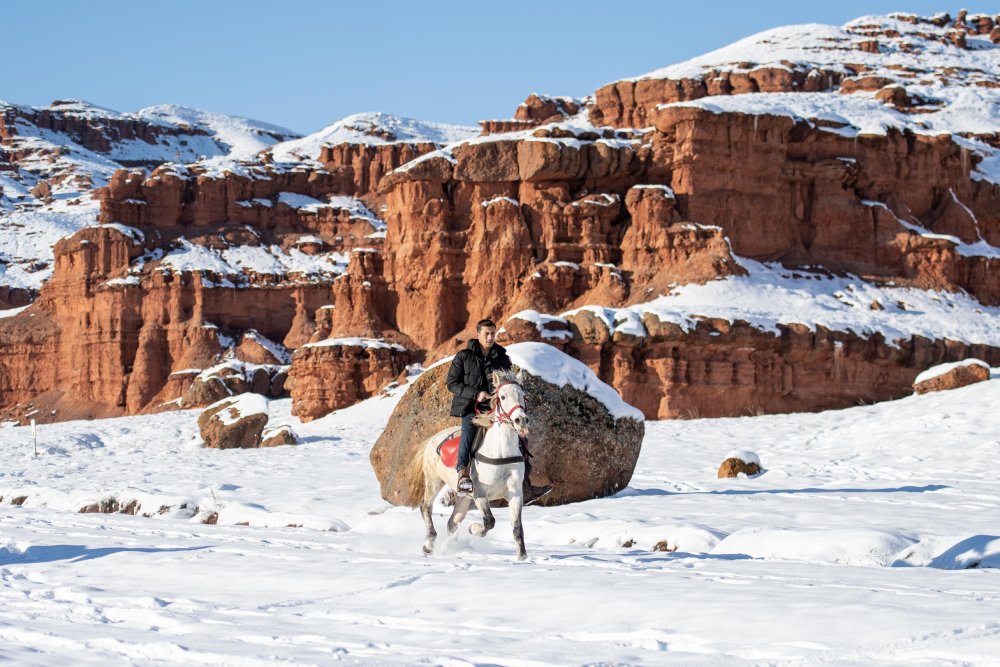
pixel 582 447
pixel 338 372
pixel 229 378
pixel 951 376
pixel 278 436
pixel 718 368
pixel 235 422
pixel 739 463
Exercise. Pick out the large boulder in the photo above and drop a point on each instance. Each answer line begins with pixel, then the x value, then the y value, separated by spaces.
pixel 234 422
pixel 584 438
pixel 951 376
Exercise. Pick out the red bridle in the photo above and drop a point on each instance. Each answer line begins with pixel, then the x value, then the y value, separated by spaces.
pixel 505 415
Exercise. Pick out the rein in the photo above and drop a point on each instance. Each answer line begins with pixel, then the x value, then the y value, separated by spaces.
pixel 501 417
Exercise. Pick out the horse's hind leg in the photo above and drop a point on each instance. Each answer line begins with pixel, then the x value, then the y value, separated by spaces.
pixel 431 488
pixel 462 503
pixel 480 529
pixel 516 503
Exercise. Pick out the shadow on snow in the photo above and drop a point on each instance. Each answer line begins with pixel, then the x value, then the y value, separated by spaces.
pixel 631 491
pixel 74 553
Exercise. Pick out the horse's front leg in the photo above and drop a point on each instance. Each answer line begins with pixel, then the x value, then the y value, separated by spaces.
pixel 458 512
pixel 516 502
pixel 480 529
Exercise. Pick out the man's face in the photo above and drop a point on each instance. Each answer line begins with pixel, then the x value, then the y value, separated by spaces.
pixel 486 337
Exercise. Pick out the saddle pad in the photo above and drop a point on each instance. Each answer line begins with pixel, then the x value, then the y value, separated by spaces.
pixel 448 449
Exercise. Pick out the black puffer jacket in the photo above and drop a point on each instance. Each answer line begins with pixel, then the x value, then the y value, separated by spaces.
pixel 469 375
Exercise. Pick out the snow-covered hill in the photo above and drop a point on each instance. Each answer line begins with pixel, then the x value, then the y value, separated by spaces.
pixel 840 552
pixel 941 76
pixel 54 156
pixel 33 219
pixel 370 129
pixel 956 84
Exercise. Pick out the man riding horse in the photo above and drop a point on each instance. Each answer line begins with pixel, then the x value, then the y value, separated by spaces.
pixel 468 380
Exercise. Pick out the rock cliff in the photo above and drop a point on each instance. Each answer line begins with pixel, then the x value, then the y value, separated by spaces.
pixel 795 222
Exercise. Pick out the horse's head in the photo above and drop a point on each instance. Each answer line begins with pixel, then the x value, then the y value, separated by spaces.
pixel 509 397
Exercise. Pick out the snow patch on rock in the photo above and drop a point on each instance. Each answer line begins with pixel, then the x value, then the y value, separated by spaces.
pixel 560 369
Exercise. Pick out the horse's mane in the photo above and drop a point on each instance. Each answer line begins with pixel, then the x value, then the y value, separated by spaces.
pixel 499 377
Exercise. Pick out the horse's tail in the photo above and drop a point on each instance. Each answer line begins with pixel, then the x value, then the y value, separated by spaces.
pixel 416 477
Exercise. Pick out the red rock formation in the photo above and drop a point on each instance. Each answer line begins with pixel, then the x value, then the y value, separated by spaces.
pixel 664 251
pixel 91 346
pixel 551 219
pixel 543 108
pixel 546 223
pixel 363 166
pixel 723 369
pixel 811 191
pixel 499 126
pixel 334 374
pixel 631 103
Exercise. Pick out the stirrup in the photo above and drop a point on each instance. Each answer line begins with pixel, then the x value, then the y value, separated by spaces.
pixel 464 484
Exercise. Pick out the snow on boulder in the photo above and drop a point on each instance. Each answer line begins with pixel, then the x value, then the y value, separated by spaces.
pixel 951 376
pixel 737 462
pixel 237 421
pixel 585 439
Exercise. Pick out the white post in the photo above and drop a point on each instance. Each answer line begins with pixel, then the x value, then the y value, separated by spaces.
pixel 34 436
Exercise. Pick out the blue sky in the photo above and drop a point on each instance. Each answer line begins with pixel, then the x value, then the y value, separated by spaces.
pixel 303 65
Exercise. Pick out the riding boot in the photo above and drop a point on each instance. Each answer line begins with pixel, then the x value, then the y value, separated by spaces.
pixel 530 492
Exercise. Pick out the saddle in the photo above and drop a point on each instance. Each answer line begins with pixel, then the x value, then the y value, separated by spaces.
pixel 447 449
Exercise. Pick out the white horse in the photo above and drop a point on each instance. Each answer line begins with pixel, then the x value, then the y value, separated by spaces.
pixel 497 467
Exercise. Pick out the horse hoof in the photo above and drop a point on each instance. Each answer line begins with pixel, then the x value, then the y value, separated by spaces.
pixel 428 550
pixel 522 556
pixel 477 529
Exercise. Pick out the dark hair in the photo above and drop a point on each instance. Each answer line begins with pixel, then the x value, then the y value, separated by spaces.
pixel 485 323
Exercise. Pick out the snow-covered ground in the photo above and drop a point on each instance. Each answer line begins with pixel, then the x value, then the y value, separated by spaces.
pixel 839 553
pixel 27 238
